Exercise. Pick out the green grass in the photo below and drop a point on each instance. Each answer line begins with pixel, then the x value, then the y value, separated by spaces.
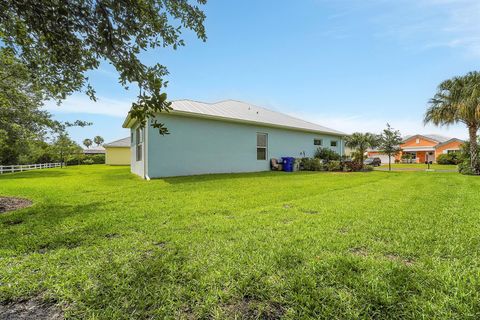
pixel 420 166
pixel 104 244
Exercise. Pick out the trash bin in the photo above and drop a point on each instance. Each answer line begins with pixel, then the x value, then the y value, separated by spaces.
pixel 288 163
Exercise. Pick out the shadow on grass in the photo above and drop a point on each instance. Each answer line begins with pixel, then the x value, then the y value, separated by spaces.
pixel 43 227
pixel 230 176
pixel 40 173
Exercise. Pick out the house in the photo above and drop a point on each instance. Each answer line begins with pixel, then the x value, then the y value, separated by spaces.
pixel 117 153
pixel 421 148
pixel 223 137
pixel 94 150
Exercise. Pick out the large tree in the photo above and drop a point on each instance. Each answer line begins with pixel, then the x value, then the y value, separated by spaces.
pixel 87 143
pixel 361 142
pixel 389 143
pixel 458 101
pixel 22 120
pixel 59 41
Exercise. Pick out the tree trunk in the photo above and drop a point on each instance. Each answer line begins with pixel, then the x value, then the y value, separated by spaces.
pixel 389 163
pixel 474 165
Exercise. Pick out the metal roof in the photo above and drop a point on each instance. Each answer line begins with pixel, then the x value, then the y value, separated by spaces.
pixel 232 110
pixel 125 142
pixel 435 137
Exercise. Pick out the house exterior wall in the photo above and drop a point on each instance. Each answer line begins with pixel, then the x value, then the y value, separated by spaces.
pixel 117 156
pixel 454 145
pixel 202 146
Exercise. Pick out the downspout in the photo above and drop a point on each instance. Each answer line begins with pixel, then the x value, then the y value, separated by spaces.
pixel 145 150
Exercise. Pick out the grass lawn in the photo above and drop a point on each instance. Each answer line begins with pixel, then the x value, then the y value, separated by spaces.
pixel 104 244
pixel 420 166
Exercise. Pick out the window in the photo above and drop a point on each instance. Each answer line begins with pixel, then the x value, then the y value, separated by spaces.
pixel 453 151
pixel 139 143
pixel 333 143
pixel 317 142
pixel 417 141
pixel 262 146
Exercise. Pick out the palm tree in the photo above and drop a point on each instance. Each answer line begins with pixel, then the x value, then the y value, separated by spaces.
pixel 458 101
pixel 361 142
pixel 87 143
pixel 98 140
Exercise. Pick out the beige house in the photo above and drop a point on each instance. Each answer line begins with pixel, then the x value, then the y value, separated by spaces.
pixel 117 153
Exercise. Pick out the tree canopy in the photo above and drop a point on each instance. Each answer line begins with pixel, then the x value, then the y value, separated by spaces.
pixel 361 142
pixel 59 41
pixel 458 100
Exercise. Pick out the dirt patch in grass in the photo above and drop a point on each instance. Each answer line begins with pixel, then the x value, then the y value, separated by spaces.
pixel 252 309
pixel 12 203
pixel 359 251
pixel 310 211
pixel 30 309
pixel 395 257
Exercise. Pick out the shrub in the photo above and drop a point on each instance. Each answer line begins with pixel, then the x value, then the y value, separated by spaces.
pixel 351 166
pixel 88 161
pixel 448 158
pixel 326 154
pixel 334 166
pixel 98 158
pixel 464 167
pixel 368 168
pixel 308 164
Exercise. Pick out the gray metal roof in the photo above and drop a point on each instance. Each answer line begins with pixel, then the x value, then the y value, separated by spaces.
pixel 241 111
pixel 125 142
pixel 434 137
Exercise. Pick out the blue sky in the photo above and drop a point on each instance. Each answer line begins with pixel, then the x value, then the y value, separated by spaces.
pixel 350 65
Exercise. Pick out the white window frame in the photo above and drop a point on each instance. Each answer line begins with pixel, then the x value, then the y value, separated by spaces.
pixel 333 141
pixel 262 147
pixel 318 139
pixel 139 138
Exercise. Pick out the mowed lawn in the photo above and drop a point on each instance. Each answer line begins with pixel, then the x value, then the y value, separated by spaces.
pixel 416 166
pixel 103 244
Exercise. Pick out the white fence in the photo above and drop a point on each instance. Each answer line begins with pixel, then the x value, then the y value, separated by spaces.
pixel 27 167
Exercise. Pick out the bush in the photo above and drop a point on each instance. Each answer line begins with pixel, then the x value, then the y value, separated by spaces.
pixel 464 167
pixel 308 164
pixel 368 168
pixel 351 166
pixel 326 154
pixel 448 158
pixel 334 165
pixel 98 158
pixel 88 161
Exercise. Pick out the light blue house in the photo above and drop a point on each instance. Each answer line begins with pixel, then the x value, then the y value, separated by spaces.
pixel 223 137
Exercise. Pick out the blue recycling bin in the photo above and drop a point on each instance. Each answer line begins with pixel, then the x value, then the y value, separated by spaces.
pixel 288 163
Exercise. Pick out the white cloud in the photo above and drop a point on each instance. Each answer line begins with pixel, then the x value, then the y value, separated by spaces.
pixel 79 103
pixel 356 123
pixel 436 23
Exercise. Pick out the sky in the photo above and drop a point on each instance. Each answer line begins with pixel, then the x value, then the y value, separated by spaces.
pixel 351 65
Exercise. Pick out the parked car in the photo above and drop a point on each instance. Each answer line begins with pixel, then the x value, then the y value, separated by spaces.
pixel 373 162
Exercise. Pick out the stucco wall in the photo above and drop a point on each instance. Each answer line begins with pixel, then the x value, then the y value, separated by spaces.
pixel 117 156
pixel 200 146
pixel 454 145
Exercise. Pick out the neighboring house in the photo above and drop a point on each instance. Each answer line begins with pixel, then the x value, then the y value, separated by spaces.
pixel 94 150
pixel 421 148
pixel 223 137
pixel 117 153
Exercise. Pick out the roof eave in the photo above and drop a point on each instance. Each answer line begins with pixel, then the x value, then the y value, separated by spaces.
pixel 199 115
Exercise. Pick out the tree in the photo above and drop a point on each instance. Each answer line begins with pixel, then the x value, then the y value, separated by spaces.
pixel 389 143
pixel 87 143
pixel 63 147
pixel 361 142
pixel 60 41
pixel 22 119
pixel 98 140
pixel 458 101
